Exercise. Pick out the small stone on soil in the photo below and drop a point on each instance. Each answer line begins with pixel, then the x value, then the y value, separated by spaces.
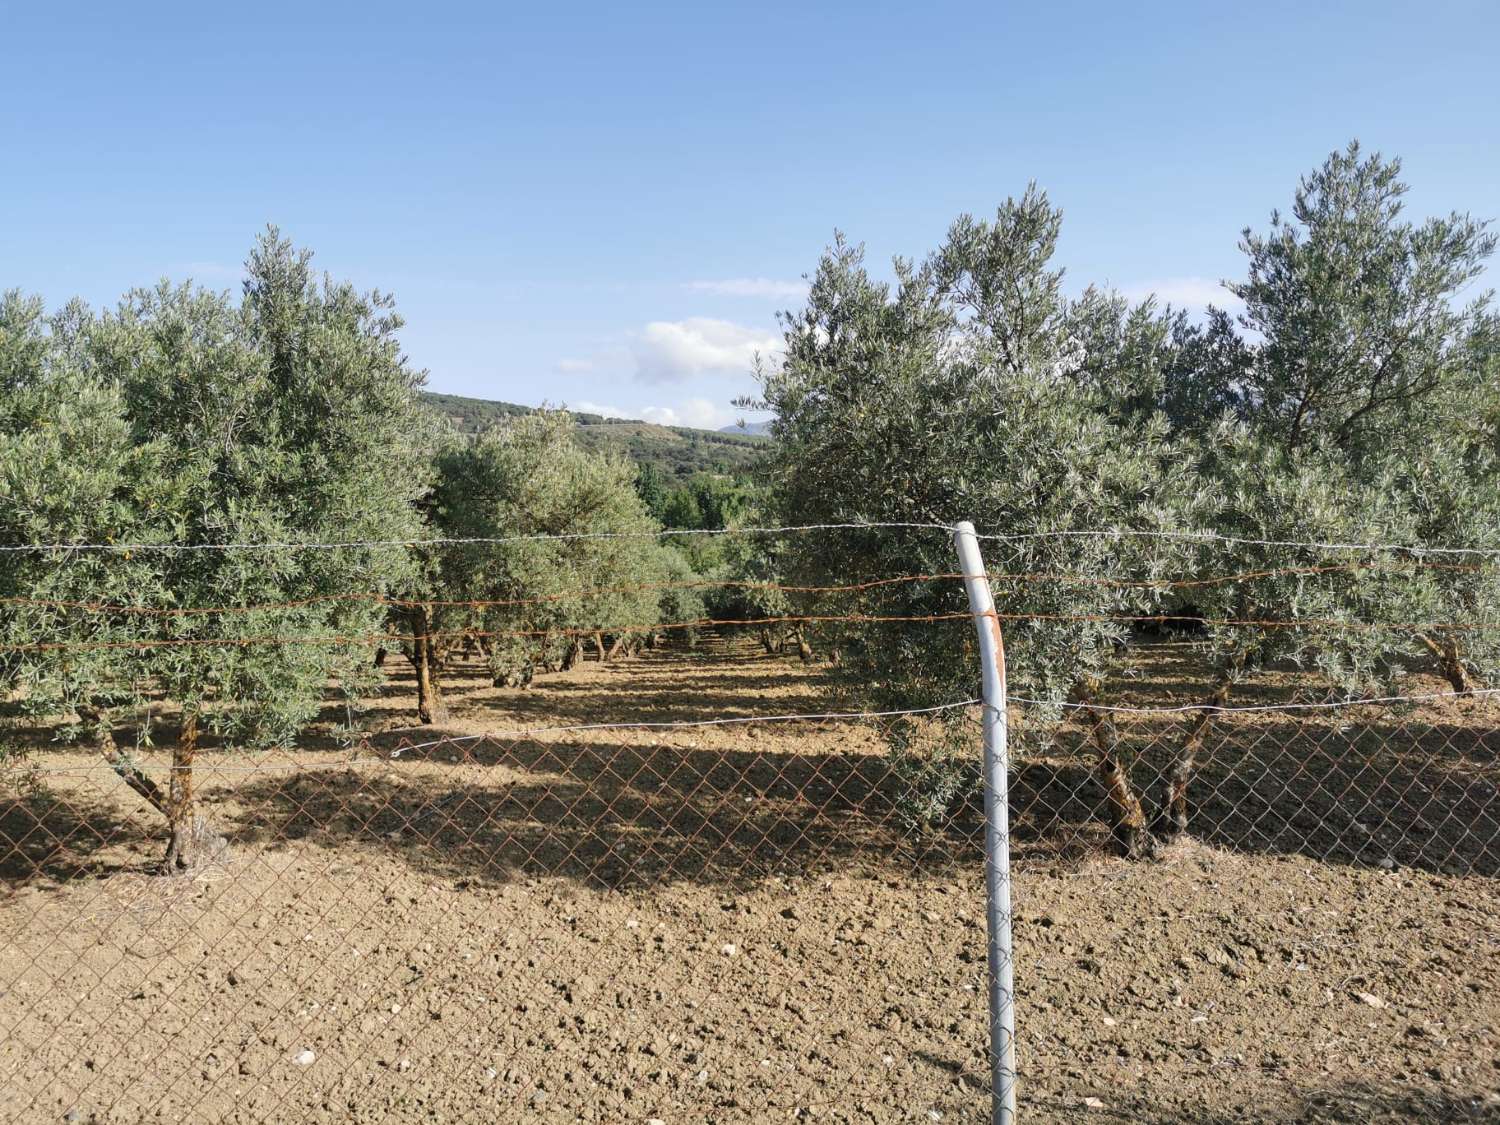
pixel 304 1057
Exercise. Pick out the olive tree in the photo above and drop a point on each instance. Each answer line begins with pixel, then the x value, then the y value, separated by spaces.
pixel 182 422
pixel 969 388
pixel 1358 410
pixel 1447 477
pixel 1366 406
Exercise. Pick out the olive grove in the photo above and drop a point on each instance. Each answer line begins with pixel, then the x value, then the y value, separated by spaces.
pixel 1131 462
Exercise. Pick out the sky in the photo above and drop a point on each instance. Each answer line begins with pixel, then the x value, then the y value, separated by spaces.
pixel 604 206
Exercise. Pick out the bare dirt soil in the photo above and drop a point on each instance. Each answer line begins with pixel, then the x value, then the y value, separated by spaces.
pixel 732 924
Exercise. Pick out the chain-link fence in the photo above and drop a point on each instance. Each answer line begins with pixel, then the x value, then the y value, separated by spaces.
pixel 596 922
pixel 694 884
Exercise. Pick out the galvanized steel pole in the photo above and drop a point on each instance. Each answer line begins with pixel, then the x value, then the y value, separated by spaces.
pixel 996 828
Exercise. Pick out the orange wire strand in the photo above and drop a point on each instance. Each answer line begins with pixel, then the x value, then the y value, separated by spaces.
pixel 398 638
pixel 661 587
pixel 789 619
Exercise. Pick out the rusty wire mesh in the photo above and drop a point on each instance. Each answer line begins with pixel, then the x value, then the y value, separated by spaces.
pixel 626 923
pixel 1319 946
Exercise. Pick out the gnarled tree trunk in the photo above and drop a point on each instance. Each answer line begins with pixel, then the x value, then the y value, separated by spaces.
pixel 599 644
pixel 1172 820
pixel 571 654
pixel 121 763
pixel 804 650
pixel 1450 662
pixel 192 840
pixel 1127 817
pixel 766 642
pixel 182 847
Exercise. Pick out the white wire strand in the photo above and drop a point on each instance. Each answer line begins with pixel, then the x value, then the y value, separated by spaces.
pixel 663 533
pixel 825 716
pixel 1216 537
pixel 574 728
pixel 565 537
pixel 1259 707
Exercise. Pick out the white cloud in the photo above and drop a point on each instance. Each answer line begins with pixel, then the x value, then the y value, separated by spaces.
pixel 573 366
pixel 699 412
pixel 766 287
pixel 586 407
pixel 1185 292
pixel 667 351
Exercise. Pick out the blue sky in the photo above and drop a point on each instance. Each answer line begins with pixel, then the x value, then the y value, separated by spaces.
pixel 605 205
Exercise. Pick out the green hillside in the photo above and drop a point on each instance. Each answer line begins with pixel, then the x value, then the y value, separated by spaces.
pixel 679 451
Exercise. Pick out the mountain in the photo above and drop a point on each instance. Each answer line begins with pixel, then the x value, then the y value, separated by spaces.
pixel 752 429
pixel 678 451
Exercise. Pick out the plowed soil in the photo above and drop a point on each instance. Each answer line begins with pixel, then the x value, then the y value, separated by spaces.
pixel 715 924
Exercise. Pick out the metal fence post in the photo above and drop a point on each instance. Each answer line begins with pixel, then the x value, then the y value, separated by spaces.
pixel 996 828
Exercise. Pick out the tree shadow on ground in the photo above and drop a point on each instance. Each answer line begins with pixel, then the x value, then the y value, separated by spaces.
pixel 51 838
pixel 1359 790
pixel 1384 789
pixel 606 815
pixel 648 688
pixel 1351 1103
pixel 621 813
pixel 617 813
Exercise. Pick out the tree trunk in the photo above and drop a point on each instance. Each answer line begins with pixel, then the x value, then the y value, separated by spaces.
pixel 183 845
pixel 614 649
pixel 571 654
pixel 766 642
pixel 430 705
pixel 1450 663
pixel 1172 821
pixel 121 763
pixel 380 658
pixel 804 650
pixel 1127 817
pixel 599 644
